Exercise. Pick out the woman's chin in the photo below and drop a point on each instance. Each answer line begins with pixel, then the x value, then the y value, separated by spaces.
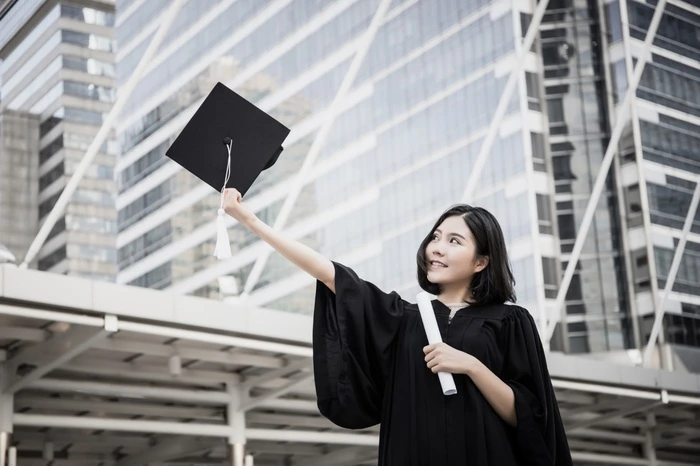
pixel 435 278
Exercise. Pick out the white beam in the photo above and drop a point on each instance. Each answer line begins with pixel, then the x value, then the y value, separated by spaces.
pixel 607 389
pixel 348 456
pixel 102 133
pixel 187 352
pixel 198 429
pixel 23 333
pixel 666 442
pixel 254 402
pixel 33 440
pixel 320 138
pixel 54 352
pixel 307 436
pixel 287 420
pixel 151 372
pixel 208 397
pixel 620 122
pixel 166 450
pixel 621 413
pixel 123 425
pixel 607 459
pixel 497 119
pixel 44 314
pixel 588 408
pixel 670 280
pixel 289 368
pixel 607 435
pixel 26 403
pixel 160 330
pixel 291 405
pixel 214 338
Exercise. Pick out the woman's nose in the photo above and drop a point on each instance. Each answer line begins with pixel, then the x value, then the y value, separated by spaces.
pixel 436 248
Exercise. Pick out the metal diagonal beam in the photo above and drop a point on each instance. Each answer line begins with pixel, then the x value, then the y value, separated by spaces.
pixel 102 133
pixel 620 121
pixel 477 168
pixel 287 420
pixel 189 352
pixel 277 373
pixel 320 139
pixel 24 403
pixel 23 333
pixel 620 413
pixel 54 352
pixel 149 372
pixel 254 402
pixel 205 397
pixel 342 457
pixel 614 403
pixel 167 450
pixel 673 271
pixel 684 437
pixel 183 428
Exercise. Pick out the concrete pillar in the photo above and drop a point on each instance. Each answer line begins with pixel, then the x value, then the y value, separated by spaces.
pixel 4 443
pixel 6 412
pixel 236 454
pixel 649 448
pixel 236 420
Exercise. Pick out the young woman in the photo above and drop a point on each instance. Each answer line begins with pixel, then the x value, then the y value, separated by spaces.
pixel 372 361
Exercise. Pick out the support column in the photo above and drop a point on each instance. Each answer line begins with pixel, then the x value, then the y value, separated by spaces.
pixel 649 447
pixel 236 454
pixel 12 456
pixel 6 412
pixel 236 420
pixel 4 443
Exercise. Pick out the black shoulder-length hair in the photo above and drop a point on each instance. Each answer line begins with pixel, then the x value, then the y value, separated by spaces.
pixel 493 285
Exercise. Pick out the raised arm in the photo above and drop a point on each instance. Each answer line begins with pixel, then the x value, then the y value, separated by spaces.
pixel 299 254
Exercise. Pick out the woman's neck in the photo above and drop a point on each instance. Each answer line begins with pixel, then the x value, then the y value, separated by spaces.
pixel 453 296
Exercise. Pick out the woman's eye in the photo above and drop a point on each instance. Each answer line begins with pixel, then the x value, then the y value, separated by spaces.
pixel 455 240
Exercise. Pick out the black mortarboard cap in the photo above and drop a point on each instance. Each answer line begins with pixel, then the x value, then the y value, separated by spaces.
pixel 225 116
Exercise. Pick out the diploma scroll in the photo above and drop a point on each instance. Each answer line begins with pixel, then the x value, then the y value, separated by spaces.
pixel 425 306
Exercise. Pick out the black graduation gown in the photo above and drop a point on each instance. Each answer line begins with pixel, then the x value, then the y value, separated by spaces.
pixel 369 368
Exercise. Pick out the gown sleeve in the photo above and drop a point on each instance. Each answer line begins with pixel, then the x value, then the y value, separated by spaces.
pixel 354 335
pixel 540 436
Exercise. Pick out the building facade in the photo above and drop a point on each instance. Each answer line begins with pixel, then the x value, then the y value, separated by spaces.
pixel 398 153
pixel 58 66
pixel 19 172
pixel 659 163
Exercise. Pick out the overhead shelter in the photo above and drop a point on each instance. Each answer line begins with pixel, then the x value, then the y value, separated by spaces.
pixel 98 373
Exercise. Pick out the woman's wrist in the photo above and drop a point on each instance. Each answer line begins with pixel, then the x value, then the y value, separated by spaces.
pixel 471 365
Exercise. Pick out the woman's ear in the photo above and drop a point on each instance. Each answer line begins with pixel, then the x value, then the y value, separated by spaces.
pixel 481 263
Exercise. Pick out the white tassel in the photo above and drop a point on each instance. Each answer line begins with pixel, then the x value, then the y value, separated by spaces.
pixel 223 245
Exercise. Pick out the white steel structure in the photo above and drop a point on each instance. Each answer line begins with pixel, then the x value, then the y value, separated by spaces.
pixel 98 373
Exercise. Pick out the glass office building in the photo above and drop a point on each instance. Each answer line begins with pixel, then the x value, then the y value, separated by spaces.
pixel 58 67
pixel 660 162
pixel 399 151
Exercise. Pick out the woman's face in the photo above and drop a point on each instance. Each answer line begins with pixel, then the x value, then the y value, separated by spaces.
pixel 451 254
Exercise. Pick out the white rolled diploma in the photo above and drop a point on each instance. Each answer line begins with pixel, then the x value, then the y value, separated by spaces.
pixel 427 315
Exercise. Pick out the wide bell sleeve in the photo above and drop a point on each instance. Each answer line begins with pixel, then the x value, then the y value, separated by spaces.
pixel 354 336
pixel 540 436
